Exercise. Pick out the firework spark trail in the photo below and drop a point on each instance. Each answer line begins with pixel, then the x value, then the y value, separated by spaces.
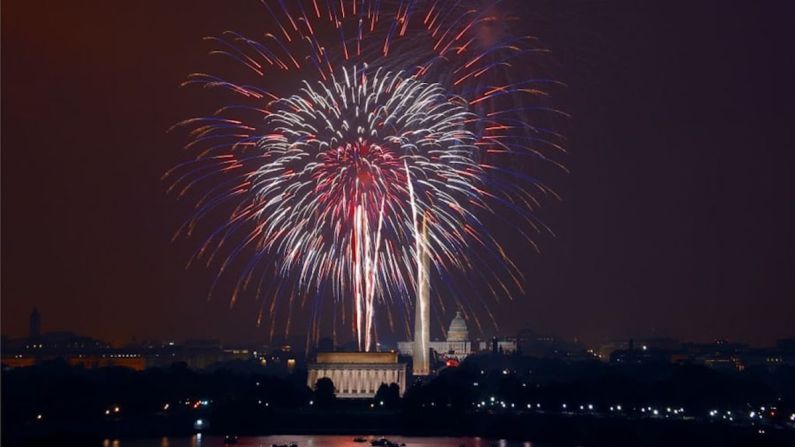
pixel 400 112
pixel 372 277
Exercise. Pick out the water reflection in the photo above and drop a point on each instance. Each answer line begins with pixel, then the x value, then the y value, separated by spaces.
pixel 200 440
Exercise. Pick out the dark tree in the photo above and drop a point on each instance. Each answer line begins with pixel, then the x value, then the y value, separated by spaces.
pixel 388 394
pixel 324 392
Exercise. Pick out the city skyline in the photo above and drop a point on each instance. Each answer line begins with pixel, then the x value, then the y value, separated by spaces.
pixel 439 337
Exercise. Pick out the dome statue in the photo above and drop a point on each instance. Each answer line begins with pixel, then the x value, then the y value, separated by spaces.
pixel 458 329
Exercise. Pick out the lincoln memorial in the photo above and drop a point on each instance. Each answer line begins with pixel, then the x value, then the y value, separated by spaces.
pixel 357 375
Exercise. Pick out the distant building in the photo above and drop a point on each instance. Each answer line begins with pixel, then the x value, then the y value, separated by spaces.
pixel 720 355
pixel 606 350
pixel 530 344
pixel 498 346
pixel 723 363
pixel 655 345
pixel 457 346
pixel 458 331
pixel 357 375
pixel 88 352
pixel 643 356
pixel 34 327
pixel 132 361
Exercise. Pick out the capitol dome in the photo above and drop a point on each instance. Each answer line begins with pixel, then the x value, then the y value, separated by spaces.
pixel 458 329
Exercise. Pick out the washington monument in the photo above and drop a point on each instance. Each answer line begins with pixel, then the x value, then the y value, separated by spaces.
pixel 422 307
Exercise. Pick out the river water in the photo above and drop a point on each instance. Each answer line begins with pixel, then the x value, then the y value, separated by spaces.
pixel 315 441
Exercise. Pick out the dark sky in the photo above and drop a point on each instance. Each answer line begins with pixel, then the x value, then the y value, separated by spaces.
pixel 677 218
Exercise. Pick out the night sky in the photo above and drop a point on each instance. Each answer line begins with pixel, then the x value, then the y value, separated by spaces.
pixel 677 219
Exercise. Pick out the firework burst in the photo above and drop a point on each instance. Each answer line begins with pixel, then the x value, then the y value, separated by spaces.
pixel 397 111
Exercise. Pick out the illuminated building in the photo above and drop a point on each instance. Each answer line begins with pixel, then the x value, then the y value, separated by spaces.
pixel 132 361
pixel 498 346
pixel 422 308
pixel 458 331
pixel 357 375
pixel 457 346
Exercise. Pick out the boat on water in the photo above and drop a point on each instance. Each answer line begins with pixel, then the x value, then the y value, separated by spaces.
pixel 383 442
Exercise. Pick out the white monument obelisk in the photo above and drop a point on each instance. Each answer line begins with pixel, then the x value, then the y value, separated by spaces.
pixel 422 308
